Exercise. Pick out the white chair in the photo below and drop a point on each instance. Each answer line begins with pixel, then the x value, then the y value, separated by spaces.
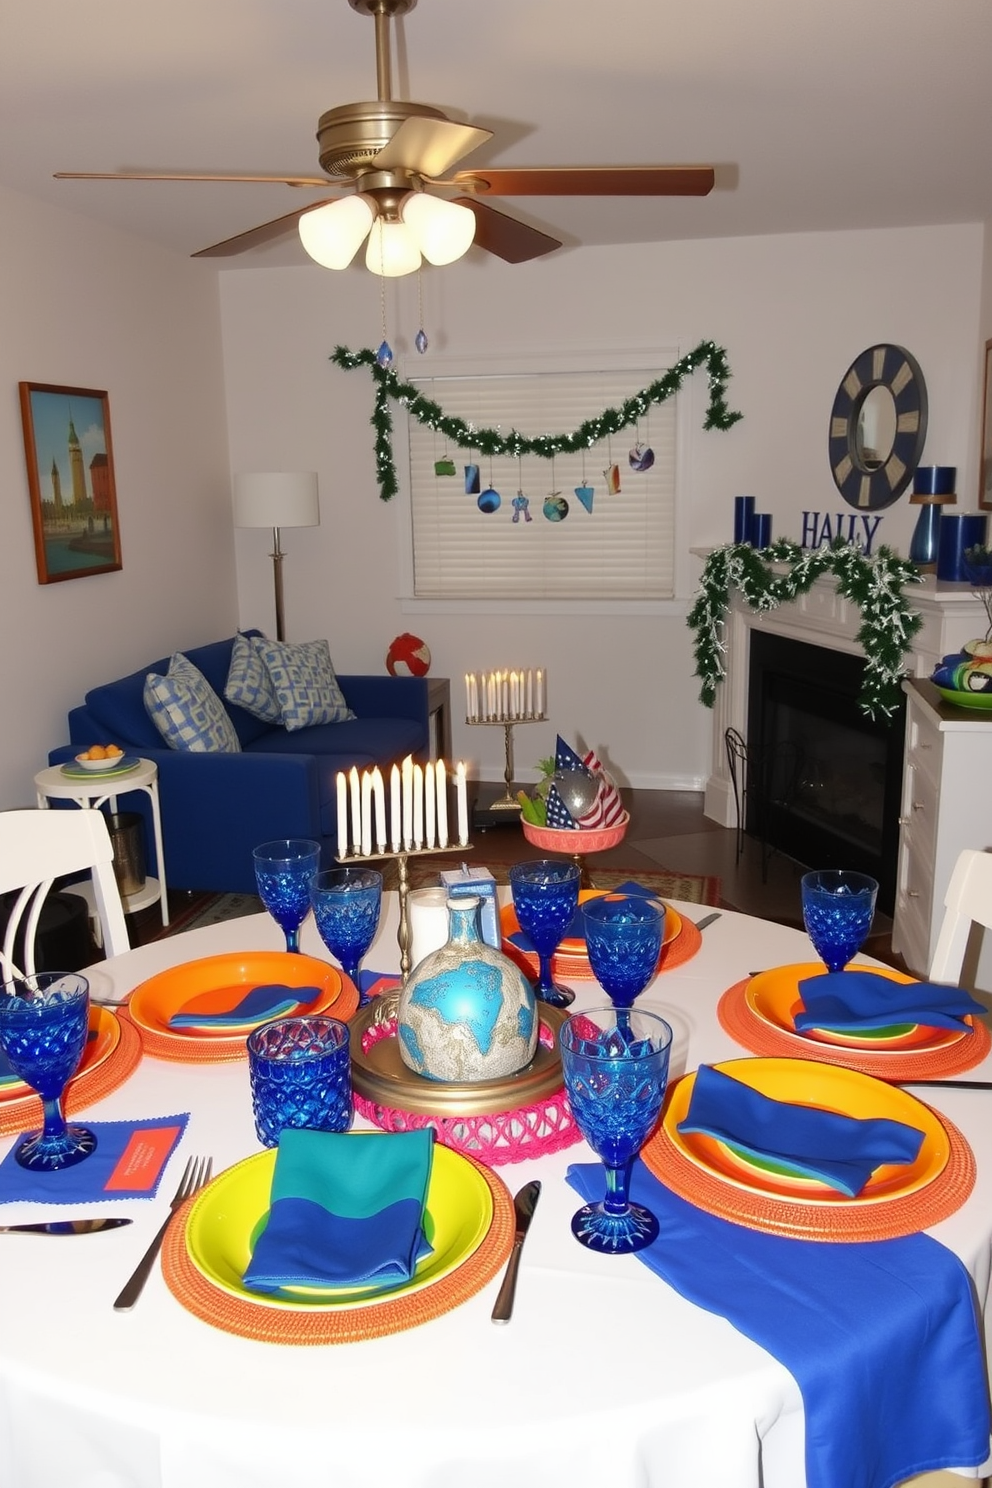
pixel 968 902
pixel 37 847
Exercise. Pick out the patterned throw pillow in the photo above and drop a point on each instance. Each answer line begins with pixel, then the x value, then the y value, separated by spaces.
pixel 248 682
pixel 187 712
pixel 305 684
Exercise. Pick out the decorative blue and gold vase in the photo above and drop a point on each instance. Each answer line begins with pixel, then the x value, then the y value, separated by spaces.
pixel 466 1012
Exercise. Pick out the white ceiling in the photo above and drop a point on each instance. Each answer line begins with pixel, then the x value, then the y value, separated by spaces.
pixel 849 114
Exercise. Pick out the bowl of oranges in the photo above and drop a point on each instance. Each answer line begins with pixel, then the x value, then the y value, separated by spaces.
pixel 100 757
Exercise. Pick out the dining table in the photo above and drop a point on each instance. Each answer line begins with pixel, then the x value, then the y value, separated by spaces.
pixel 604 1375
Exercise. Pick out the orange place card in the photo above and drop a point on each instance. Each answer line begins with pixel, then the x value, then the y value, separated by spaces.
pixel 140 1164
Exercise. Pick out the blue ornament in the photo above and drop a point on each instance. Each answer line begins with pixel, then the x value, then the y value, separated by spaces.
pixel 384 356
pixel 489 500
pixel 420 341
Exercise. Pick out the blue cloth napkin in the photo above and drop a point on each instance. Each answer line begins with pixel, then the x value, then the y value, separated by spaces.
pixel 127 1163
pixel 345 1209
pixel 840 1150
pixel 866 1000
pixel 259 1005
pixel 577 929
pixel 881 1336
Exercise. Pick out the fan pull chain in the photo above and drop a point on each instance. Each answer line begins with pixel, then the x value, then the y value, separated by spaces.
pixel 420 340
pixel 384 356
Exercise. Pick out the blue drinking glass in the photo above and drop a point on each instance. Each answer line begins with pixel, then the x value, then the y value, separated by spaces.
pixel 300 1073
pixel 623 937
pixel 545 898
pixel 838 907
pixel 615 1063
pixel 44 1022
pixel 284 871
pixel 346 905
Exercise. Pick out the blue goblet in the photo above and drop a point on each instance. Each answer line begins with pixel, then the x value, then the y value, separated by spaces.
pixel 44 1021
pixel 545 897
pixel 346 905
pixel 623 937
pixel 284 871
pixel 838 907
pixel 615 1063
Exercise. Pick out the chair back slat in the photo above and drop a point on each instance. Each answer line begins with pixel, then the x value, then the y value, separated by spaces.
pixel 968 902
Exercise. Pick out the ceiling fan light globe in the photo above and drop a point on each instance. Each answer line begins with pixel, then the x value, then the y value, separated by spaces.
pixel 333 234
pixel 443 229
pixel 392 249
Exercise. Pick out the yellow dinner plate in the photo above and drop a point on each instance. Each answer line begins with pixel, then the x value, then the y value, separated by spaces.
pixel 226 1218
pixel 573 947
pixel 830 1087
pixel 104 1036
pixel 218 983
pixel 774 998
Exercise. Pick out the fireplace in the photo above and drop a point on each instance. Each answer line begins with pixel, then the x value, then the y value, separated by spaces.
pixel 825 779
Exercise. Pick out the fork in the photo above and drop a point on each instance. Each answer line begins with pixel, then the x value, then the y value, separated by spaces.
pixel 195 1175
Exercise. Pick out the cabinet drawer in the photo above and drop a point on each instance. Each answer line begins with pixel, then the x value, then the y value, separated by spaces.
pixel 920 809
pixel 914 891
pixel 924 748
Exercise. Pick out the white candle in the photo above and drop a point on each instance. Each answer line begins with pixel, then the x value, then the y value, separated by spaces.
pixel 406 771
pixel 342 785
pixel 366 813
pixel 504 694
pixel 356 809
pixel 539 694
pixel 379 798
pixel 474 714
pixel 395 833
pixel 430 813
pixel 441 784
pixel 490 695
pixel 468 695
pixel 515 694
pixel 529 698
pixel 418 805
pixel 461 795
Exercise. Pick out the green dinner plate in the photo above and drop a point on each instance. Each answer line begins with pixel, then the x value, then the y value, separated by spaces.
pixel 979 700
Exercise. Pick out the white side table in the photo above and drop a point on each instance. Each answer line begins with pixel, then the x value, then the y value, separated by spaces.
pixel 52 785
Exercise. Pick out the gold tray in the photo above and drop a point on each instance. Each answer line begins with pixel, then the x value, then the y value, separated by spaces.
pixel 379 1074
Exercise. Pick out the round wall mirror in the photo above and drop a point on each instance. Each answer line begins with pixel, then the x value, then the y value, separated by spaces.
pixel 878 426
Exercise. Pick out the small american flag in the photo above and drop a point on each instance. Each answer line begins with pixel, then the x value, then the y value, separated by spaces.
pixel 608 808
pixel 559 815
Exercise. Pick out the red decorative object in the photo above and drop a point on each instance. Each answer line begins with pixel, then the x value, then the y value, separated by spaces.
pixel 409 656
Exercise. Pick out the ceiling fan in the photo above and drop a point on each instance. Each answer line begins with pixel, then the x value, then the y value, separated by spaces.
pixel 395 156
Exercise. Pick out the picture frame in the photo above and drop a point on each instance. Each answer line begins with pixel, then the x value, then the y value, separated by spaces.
pixel 71 483
pixel 985 457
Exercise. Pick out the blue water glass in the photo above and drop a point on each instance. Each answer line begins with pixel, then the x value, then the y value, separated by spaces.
pixel 300 1072
pixel 623 937
pixel 545 898
pixel 838 908
pixel 44 1022
pixel 615 1064
pixel 284 871
pixel 346 906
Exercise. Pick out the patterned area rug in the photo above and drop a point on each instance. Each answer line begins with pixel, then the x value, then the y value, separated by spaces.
pixel 695 888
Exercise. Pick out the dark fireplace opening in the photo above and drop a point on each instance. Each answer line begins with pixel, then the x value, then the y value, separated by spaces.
pixel 824 779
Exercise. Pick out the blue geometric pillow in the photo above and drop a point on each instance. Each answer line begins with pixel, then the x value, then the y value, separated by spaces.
pixel 304 682
pixel 187 712
pixel 248 682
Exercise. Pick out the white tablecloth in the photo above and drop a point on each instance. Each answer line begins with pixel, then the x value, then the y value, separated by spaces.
pixel 604 1376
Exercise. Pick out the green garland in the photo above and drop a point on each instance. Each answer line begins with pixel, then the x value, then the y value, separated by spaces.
pixel 546 446
pixel 874 584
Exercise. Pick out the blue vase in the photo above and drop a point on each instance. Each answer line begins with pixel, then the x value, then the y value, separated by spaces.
pixel 466 1011
pixel 923 548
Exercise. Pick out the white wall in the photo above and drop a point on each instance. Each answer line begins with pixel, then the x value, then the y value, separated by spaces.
pixel 83 306
pixel 792 312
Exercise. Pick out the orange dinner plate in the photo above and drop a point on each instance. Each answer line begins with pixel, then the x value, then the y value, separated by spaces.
pixel 573 947
pixel 774 998
pixel 104 1036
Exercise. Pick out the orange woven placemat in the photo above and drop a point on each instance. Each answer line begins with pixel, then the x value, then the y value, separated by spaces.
pixel 759 1037
pixel 348 1325
pixel 903 1214
pixel 215 1049
pixel 25 1112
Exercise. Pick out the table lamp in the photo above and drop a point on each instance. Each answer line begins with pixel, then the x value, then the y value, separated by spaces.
pixel 276 498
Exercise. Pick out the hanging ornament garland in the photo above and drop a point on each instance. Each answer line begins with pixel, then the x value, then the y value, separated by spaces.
pixel 874 584
pixel 491 442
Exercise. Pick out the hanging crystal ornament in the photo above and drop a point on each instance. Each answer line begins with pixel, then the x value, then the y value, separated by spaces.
pixel 384 356
pixel 420 340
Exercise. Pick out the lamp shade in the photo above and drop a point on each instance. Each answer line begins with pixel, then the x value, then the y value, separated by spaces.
pixel 443 229
pixel 333 233
pixel 276 498
pixel 392 249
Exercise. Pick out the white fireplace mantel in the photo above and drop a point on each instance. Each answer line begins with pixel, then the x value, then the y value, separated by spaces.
pixel 952 614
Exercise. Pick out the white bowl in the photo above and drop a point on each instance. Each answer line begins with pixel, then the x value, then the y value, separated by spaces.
pixel 96 765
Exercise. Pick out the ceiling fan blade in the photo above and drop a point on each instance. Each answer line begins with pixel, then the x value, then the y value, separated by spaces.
pixel 255 237
pixel 657 180
pixel 429 147
pixel 509 239
pixel 178 176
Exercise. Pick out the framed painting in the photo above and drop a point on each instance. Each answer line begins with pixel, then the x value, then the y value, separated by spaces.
pixel 985 491
pixel 71 481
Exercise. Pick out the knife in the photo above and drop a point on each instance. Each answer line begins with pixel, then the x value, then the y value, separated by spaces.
pixel 707 920
pixel 524 1205
pixel 65 1227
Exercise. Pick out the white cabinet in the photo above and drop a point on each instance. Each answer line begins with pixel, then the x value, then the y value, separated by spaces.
pixel 946 806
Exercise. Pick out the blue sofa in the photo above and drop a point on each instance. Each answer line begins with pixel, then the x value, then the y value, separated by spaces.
pixel 217 807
